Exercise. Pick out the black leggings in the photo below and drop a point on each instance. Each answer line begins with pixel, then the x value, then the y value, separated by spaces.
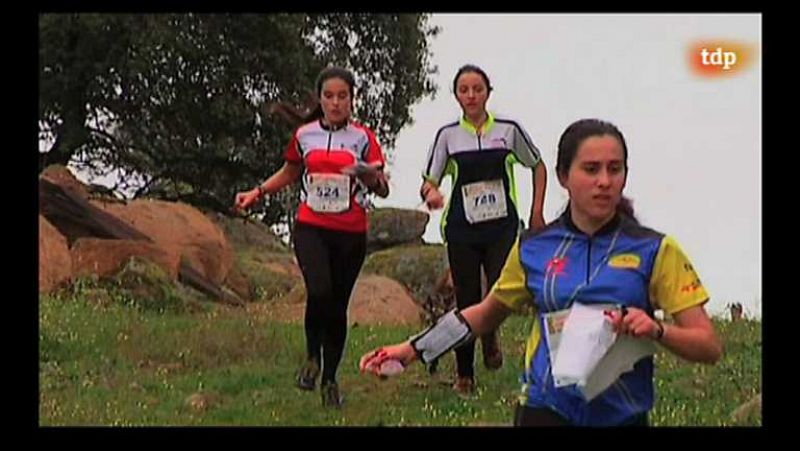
pixel 330 261
pixel 525 416
pixel 465 265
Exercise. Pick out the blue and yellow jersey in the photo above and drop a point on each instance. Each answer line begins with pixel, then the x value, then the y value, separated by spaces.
pixel 469 155
pixel 623 263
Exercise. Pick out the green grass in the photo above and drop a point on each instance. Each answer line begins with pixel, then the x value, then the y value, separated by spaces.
pixel 111 363
pixel 703 395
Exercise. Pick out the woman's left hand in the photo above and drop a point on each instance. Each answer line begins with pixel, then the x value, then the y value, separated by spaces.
pixel 635 322
pixel 369 174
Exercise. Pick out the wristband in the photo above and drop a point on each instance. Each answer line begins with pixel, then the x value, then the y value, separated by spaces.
pixel 450 331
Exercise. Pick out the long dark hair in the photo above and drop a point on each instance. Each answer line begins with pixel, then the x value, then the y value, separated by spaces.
pixel 326 74
pixel 312 109
pixel 573 137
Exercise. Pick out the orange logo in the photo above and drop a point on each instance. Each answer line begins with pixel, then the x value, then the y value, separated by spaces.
pixel 720 58
pixel 694 286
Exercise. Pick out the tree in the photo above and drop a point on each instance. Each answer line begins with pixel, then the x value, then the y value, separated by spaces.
pixel 177 102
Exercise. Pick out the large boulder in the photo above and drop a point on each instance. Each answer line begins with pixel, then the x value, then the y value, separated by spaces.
pixel 375 300
pixel 55 264
pixel 248 235
pixel 390 227
pixel 381 300
pixel 158 231
pixel 105 258
pixel 199 241
pixel 419 267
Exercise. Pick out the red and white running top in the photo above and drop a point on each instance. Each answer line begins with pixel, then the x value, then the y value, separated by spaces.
pixel 329 198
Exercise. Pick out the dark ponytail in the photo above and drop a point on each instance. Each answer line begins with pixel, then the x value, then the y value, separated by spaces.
pixel 313 110
pixel 295 116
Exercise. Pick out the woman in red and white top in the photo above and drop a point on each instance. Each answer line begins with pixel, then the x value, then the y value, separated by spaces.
pixel 340 164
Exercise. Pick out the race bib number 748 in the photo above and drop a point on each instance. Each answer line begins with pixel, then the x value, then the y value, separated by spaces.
pixel 484 201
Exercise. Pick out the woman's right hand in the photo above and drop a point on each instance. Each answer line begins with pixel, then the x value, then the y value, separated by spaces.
pixel 371 361
pixel 434 200
pixel 245 199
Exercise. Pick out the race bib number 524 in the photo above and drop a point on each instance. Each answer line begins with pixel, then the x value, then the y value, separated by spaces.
pixel 328 193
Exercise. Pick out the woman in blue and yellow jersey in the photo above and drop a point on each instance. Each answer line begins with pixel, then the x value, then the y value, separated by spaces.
pixel 480 222
pixel 595 253
pixel 330 236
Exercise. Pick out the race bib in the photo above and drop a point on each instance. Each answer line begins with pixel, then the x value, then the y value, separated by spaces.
pixel 328 193
pixel 484 201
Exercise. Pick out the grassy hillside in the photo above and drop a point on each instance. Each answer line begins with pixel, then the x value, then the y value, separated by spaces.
pixel 105 360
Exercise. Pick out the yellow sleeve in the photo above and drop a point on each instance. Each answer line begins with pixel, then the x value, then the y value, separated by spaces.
pixel 674 284
pixel 510 288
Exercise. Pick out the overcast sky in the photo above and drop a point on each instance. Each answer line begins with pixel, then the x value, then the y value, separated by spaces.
pixel 694 143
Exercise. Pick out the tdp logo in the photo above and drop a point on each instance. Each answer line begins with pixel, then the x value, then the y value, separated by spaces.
pixel 719 58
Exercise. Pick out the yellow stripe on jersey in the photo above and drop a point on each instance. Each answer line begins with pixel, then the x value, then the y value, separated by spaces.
pixel 674 284
pixel 510 288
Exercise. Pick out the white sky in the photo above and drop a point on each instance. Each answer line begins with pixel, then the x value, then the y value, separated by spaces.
pixel 694 144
